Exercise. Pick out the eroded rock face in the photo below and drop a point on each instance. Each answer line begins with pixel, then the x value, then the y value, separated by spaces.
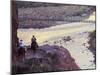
pixel 92 43
pixel 92 40
pixel 46 59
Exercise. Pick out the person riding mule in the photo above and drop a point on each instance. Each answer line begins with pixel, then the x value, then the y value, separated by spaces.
pixel 34 44
pixel 21 50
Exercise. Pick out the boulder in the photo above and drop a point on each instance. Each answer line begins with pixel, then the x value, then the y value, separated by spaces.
pixel 46 59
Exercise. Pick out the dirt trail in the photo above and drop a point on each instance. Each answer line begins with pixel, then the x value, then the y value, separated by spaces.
pixel 56 31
